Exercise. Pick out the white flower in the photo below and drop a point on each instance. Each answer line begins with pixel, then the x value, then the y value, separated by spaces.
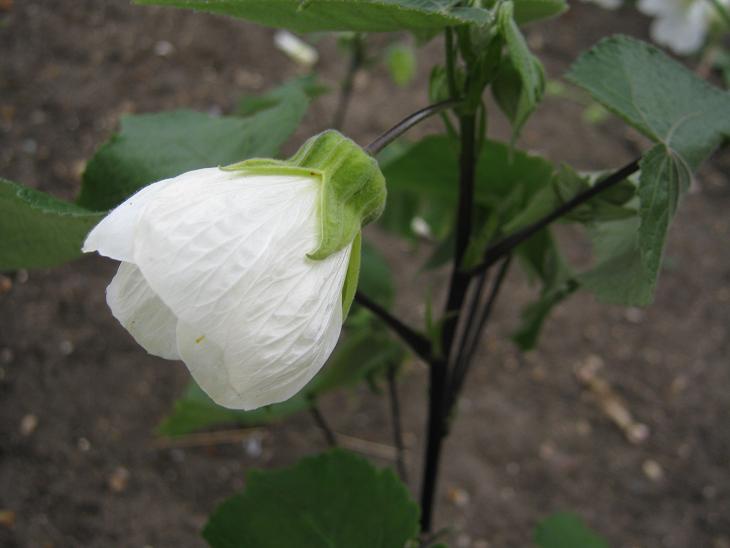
pixel 215 272
pixel 607 4
pixel 296 48
pixel 680 25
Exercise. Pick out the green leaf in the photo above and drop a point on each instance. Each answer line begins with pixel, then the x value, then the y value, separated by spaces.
pixel 152 147
pixel 348 15
pixel 39 230
pixel 658 96
pixel 619 276
pixel 288 91
pixel 534 315
pixel 376 278
pixel 535 10
pixel 566 530
pixel 358 356
pixel 401 62
pixel 543 262
pixel 523 100
pixel 664 176
pixel 332 500
pixel 429 171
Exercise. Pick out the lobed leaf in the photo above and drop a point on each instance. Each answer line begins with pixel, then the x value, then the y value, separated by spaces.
pixel 334 499
pixel 341 15
pixel 39 230
pixel 152 147
pixel 655 94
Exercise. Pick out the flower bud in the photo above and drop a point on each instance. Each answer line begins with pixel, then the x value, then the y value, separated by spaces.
pixel 244 273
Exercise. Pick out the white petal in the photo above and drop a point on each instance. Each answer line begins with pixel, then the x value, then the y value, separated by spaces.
pixel 114 235
pixel 684 33
pixel 229 258
pixel 142 313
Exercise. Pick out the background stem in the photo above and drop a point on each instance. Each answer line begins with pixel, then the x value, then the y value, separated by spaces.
pixel 395 415
pixel 327 432
pixel 357 57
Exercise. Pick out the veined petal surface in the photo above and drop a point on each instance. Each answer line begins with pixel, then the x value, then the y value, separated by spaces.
pixel 113 237
pixel 142 313
pixel 227 255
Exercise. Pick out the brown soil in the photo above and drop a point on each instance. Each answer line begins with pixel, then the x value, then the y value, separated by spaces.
pixel 528 441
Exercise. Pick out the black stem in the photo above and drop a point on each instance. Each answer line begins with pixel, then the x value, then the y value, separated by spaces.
pixel 458 287
pixel 357 56
pixel 420 344
pixel 506 245
pixel 471 319
pixel 407 123
pixel 395 415
pixel 327 432
pixel 461 368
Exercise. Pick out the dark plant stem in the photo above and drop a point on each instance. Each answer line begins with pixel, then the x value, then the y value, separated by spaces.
pixel 407 123
pixel 327 432
pixel 505 246
pixel 461 367
pixel 357 57
pixel 395 415
pixel 418 343
pixel 458 287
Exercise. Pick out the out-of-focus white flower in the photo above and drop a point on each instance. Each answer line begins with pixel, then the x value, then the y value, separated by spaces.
pixel 680 25
pixel 420 227
pixel 607 4
pixel 216 271
pixel 296 48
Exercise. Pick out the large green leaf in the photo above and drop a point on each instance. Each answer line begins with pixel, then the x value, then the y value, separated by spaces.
pixel 629 251
pixel 151 147
pixel 619 276
pixel 360 354
pixel 340 15
pixel 664 177
pixel 565 530
pixel 39 230
pixel 658 96
pixel 429 170
pixel 332 500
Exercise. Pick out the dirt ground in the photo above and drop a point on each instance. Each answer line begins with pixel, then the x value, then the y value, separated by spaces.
pixel 79 400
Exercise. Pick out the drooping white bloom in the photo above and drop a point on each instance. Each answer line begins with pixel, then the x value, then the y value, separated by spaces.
pixel 214 271
pixel 680 25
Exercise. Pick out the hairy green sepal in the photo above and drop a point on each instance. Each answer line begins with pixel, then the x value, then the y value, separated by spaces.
pixel 352 194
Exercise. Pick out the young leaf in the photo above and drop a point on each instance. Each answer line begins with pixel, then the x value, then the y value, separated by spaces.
pixel 664 176
pixel 39 230
pixel 352 15
pixel 527 66
pixel 565 530
pixel 534 10
pixel 658 96
pixel 151 147
pixel 334 499
pixel 401 62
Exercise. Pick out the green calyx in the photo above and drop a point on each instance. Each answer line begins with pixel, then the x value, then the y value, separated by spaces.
pixel 352 195
pixel 353 187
